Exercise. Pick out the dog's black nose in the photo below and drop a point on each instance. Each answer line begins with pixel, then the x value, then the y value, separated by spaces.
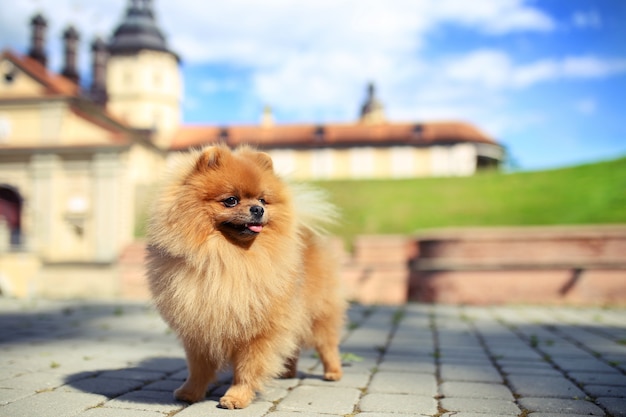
pixel 257 211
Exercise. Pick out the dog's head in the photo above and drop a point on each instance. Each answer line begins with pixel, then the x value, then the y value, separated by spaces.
pixel 237 193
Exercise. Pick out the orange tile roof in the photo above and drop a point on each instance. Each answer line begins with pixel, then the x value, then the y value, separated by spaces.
pixel 356 134
pixel 57 85
pixel 288 135
pixel 54 83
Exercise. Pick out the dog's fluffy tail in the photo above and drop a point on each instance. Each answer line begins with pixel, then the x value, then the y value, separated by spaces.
pixel 313 208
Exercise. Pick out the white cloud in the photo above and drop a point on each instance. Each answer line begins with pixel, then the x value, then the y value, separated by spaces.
pixel 495 69
pixel 534 73
pixel 493 16
pixel 489 68
pixel 586 106
pixel 592 67
pixel 312 59
pixel 254 33
pixel 216 85
pixel 587 19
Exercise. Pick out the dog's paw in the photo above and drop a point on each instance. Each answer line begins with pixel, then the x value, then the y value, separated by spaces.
pixel 188 396
pixel 333 375
pixel 232 402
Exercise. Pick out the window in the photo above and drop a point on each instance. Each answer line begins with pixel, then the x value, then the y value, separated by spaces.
pixel 9 71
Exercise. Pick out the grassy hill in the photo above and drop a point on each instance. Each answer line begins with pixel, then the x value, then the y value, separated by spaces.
pixel 586 194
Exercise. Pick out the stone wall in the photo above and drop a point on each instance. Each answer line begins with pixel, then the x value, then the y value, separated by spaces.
pixel 574 265
pixel 583 265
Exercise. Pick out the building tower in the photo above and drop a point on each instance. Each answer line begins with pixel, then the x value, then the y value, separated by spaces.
pixel 372 110
pixel 38 39
pixel 70 40
pixel 99 57
pixel 143 76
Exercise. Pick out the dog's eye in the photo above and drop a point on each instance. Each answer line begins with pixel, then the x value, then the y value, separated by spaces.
pixel 230 201
pixel 262 201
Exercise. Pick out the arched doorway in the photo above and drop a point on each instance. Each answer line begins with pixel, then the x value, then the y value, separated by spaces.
pixel 11 213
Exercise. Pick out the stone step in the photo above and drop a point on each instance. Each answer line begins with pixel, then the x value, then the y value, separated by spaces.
pixel 383 249
pixel 557 246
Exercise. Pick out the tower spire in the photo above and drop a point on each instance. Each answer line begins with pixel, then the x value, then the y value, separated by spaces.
pixel 138 31
pixel 70 39
pixel 99 58
pixel 372 110
pixel 38 39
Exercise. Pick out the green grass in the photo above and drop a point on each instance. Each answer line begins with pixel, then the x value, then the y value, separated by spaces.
pixel 585 194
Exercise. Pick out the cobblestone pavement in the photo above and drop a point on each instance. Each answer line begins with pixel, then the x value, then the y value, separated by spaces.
pixel 110 359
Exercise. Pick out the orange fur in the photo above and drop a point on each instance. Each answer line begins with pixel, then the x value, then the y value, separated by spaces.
pixel 236 294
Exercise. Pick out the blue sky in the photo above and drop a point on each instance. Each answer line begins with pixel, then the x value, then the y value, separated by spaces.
pixel 546 78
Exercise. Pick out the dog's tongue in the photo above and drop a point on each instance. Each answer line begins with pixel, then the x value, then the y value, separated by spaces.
pixel 256 228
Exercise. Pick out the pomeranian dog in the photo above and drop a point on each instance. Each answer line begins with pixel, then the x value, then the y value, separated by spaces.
pixel 239 269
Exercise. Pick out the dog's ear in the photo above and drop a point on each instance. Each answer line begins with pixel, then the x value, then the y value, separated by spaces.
pixel 211 157
pixel 263 160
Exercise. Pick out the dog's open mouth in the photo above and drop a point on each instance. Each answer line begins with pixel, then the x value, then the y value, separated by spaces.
pixel 254 227
pixel 246 228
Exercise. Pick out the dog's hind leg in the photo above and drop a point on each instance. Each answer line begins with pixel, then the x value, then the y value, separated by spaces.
pixel 291 367
pixel 326 335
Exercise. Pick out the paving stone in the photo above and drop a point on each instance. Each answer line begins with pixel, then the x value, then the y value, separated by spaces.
pixel 466 361
pixel 579 364
pixel 356 380
pixel 146 400
pixel 515 352
pixel 605 391
pixel 464 414
pixel 398 403
pixel 111 387
pixel 408 363
pixel 300 414
pixel 34 381
pixel 475 390
pixel 116 412
pixel 378 415
pixel 168 385
pixel 272 394
pixel 51 404
pixel 320 400
pixel 557 415
pixel 211 408
pixel 474 352
pixel 134 374
pixel 364 364
pixel 533 386
pixel 517 370
pixel 517 362
pixel 91 361
pixel 615 406
pixel 404 383
pixel 285 383
pixel 163 364
pixel 561 405
pixel 584 378
pixel 480 405
pixel 563 350
pixel 10 395
pixel 461 372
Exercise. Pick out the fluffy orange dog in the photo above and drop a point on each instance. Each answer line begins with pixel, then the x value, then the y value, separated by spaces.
pixel 238 269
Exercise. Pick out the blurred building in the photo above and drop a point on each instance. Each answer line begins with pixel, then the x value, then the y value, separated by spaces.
pixel 77 162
